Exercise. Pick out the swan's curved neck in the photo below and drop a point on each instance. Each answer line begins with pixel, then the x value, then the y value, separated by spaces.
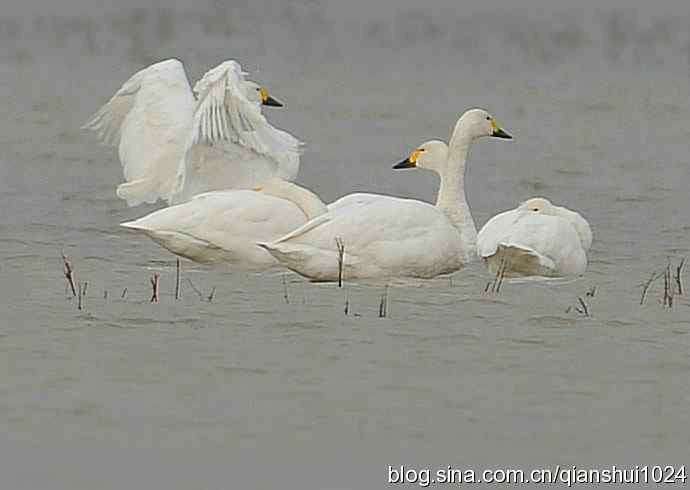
pixel 451 195
pixel 308 202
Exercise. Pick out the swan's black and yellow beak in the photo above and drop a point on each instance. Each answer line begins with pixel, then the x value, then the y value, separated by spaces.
pixel 409 162
pixel 268 100
pixel 404 164
pixel 498 132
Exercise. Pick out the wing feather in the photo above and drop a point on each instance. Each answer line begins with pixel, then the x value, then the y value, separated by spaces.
pixel 231 145
pixel 147 119
pixel 106 123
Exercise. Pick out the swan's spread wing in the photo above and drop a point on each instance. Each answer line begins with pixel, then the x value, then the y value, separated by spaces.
pixel 107 122
pixel 145 119
pixel 145 88
pixel 231 144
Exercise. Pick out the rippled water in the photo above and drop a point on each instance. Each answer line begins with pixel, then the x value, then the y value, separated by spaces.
pixel 253 391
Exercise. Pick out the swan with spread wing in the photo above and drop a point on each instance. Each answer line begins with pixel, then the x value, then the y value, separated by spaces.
pixel 213 156
pixel 175 142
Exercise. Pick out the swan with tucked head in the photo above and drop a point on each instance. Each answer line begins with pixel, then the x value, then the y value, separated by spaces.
pixel 536 239
pixel 385 236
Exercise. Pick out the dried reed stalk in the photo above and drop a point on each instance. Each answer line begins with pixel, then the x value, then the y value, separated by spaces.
pixel 155 284
pixel 341 260
pixel 69 274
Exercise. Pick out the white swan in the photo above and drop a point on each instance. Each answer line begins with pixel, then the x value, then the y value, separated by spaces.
pixel 536 239
pixel 174 143
pixel 225 226
pixel 385 236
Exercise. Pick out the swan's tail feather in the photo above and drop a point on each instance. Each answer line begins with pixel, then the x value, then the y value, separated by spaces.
pixel 133 225
pixel 314 263
pixel 182 244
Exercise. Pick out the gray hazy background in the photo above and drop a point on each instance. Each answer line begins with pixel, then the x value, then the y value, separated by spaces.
pixel 251 392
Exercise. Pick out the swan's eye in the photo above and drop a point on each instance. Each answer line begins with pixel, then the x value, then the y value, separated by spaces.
pixel 258 89
pixel 535 209
pixel 488 118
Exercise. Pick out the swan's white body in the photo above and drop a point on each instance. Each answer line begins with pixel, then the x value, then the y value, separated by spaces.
pixel 224 226
pixel 173 145
pixel 385 236
pixel 536 239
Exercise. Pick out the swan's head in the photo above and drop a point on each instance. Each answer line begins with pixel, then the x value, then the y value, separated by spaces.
pixel 537 205
pixel 476 123
pixel 430 155
pixel 259 95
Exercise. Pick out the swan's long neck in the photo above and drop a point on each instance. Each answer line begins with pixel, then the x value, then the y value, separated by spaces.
pixel 310 204
pixel 451 195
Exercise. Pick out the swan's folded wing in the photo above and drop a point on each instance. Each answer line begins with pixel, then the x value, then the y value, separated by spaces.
pixel 305 228
pixel 552 240
pixel 231 144
pixel 584 231
pixel 359 198
pixel 521 260
pixel 494 231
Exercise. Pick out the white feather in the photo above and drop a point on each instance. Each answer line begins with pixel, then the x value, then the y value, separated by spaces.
pixel 145 119
pixel 227 125
pixel 172 146
pixel 545 240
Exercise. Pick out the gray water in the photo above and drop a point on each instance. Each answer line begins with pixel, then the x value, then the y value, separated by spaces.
pixel 253 391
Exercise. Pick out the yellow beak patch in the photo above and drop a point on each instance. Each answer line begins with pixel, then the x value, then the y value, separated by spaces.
pixel 264 94
pixel 494 125
pixel 414 156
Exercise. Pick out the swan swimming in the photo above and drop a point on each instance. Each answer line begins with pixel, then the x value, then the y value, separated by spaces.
pixel 174 142
pixel 536 239
pixel 385 236
pixel 225 226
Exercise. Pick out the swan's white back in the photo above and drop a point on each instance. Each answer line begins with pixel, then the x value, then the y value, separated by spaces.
pixel 222 226
pixel 383 236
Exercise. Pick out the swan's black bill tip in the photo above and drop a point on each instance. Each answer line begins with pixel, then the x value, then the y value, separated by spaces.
pixel 404 164
pixel 499 133
pixel 271 102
